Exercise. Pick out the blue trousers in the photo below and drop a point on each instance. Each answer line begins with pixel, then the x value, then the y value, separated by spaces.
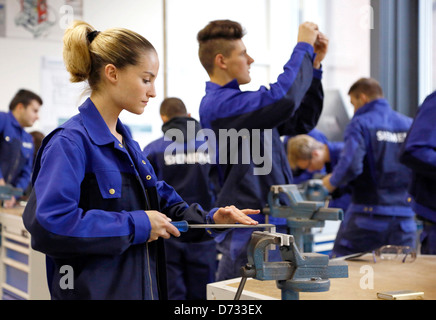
pixel 428 239
pixel 363 232
pixel 190 267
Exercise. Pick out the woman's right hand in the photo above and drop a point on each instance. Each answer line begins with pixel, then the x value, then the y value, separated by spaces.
pixel 161 226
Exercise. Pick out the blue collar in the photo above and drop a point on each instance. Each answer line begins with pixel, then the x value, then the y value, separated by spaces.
pixel 94 124
pixel 211 86
pixel 378 104
pixel 14 120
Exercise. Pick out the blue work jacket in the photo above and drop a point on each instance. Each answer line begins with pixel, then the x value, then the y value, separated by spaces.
pixel 16 152
pixel 419 154
pixel 183 163
pixel 370 161
pixel 290 106
pixel 87 211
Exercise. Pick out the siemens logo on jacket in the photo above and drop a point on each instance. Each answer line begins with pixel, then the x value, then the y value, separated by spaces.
pixel 394 137
pixel 187 158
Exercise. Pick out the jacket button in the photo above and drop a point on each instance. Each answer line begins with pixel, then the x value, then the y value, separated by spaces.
pixel 143 161
pixel 148 177
pixel 7 138
pixel 111 191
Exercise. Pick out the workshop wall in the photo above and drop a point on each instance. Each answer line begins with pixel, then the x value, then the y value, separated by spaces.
pixel 22 58
pixel 172 25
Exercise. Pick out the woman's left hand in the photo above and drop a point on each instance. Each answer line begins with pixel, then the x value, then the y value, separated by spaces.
pixel 231 214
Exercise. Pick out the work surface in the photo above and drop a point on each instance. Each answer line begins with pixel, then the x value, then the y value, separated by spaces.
pixel 365 280
pixel 17 211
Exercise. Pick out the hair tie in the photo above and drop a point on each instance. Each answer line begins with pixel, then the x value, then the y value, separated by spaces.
pixel 91 36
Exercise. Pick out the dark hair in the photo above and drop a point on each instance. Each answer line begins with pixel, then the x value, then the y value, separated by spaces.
pixel 173 107
pixel 25 97
pixel 367 86
pixel 217 38
pixel 87 51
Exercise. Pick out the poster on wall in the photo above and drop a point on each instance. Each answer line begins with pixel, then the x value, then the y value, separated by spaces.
pixel 61 97
pixel 38 19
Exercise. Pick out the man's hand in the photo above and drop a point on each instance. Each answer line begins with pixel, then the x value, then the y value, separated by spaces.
pixel 321 48
pixel 231 214
pixel 10 203
pixel 308 32
pixel 161 226
pixel 326 183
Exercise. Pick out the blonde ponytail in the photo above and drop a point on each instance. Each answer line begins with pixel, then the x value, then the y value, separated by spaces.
pixel 77 56
pixel 86 51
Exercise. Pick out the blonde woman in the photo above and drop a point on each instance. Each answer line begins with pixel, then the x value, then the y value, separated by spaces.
pixel 97 210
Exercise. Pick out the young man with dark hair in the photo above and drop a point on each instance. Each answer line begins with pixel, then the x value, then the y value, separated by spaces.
pixel 380 212
pixel 16 145
pixel 290 106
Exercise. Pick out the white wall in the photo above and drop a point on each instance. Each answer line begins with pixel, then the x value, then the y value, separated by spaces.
pixel 20 62
pixel 271 26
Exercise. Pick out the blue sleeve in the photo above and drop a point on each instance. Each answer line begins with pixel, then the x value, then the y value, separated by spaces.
pixel 2 127
pixel 307 115
pixel 266 108
pixel 350 164
pixel 59 227
pixel 24 178
pixel 419 149
pixel 3 119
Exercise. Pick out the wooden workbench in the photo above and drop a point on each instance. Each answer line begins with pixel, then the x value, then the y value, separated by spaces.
pixel 16 211
pixel 365 280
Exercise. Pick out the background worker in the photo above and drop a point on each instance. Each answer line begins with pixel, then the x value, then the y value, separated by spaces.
pixel 309 155
pixel 380 213
pixel 190 265
pixel 298 174
pixel 16 145
pixel 291 106
pixel 419 154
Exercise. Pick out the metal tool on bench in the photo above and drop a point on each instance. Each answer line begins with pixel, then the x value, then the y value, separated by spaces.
pixel 8 191
pixel 297 272
pixel 184 226
pixel 301 215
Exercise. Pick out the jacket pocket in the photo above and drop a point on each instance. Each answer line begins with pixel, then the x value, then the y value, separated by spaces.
pixel 408 226
pixel 371 224
pixel 109 183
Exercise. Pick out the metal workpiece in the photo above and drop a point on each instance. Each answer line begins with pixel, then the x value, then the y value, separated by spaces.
pixel 184 226
pixel 297 272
